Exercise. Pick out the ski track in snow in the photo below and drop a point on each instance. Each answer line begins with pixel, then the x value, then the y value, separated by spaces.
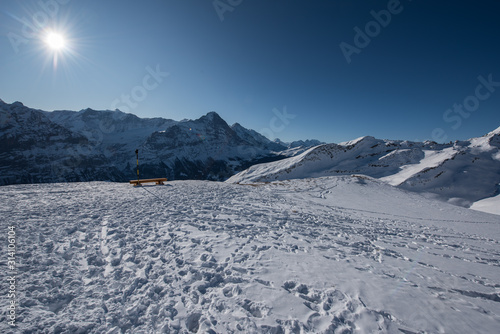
pixel 207 257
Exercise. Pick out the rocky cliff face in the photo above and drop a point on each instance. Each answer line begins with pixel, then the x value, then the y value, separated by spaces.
pixel 39 146
pixel 35 149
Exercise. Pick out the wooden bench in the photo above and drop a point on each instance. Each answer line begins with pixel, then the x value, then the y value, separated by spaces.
pixel 158 181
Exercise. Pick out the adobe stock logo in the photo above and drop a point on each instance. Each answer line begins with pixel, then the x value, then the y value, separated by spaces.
pixel 139 93
pixel 471 104
pixel 372 29
pixel 277 123
pixel 223 6
pixel 31 29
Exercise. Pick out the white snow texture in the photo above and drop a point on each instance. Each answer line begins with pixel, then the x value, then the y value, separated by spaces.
pixel 335 254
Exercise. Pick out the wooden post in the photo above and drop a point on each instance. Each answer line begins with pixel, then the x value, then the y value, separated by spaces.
pixel 137 157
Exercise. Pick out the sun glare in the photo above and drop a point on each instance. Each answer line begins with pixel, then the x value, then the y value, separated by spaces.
pixel 55 41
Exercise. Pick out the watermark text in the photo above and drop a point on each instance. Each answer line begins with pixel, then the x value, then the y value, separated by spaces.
pixel 363 37
pixel 139 93
pixel 223 6
pixel 32 28
pixel 460 111
pixel 11 275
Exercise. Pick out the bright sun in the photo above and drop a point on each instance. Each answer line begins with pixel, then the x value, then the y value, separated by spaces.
pixel 55 41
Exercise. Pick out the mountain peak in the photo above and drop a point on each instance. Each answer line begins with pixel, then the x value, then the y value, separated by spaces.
pixel 88 111
pixel 213 117
pixel 358 140
pixel 236 126
pixel 494 132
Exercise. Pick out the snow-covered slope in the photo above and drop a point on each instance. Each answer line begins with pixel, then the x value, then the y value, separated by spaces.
pixel 490 205
pixel 326 255
pixel 462 173
pixel 365 155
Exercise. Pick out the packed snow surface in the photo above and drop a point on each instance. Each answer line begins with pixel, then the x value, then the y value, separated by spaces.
pixel 346 254
pixel 491 205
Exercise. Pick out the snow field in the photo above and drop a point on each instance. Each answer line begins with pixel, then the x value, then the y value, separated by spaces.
pixel 328 255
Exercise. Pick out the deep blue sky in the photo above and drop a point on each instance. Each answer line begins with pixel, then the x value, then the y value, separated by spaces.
pixel 264 55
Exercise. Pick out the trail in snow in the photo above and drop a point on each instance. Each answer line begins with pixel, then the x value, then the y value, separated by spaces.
pixel 328 255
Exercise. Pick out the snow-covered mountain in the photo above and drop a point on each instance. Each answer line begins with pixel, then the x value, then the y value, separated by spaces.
pixel 300 143
pixel 35 149
pixel 39 146
pixel 462 172
pixel 310 246
pixel 90 145
pixel 208 148
pixel 326 255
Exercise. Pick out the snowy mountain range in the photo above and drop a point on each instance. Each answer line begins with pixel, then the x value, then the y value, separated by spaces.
pixel 60 146
pixel 462 173
pixel 326 239
pixel 88 145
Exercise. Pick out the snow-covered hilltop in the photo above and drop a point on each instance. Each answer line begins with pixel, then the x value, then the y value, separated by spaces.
pixel 462 172
pixel 89 145
pixel 326 255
